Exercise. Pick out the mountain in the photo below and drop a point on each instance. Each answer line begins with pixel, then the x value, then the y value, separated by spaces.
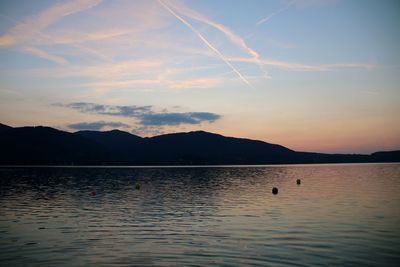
pixel 386 156
pixel 48 146
pixel 122 144
pixel 207 148
pixel 45 145
pixel 4 127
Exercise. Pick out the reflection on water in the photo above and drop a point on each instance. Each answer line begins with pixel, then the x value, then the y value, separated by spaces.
pixel 339 215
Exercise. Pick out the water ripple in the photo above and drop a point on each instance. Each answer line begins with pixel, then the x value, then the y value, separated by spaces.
pixel 341 215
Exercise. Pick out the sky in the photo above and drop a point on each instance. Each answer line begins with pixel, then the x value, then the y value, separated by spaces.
pixel 311 75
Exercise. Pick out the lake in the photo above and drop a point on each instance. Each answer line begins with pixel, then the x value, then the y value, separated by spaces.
pixel 340 215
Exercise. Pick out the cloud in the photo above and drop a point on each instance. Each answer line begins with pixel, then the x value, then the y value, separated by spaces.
pixel 122 111
pixel 256 58
pixel 73 37
pixel 6 40
pixel 149 130
pixel 107 71
pixel 194 83
pixel 177 84
pixel 265 19
pixel 145 115
pixel 305 67
pixel 31 27
pixel 205 41
pixel 98 125
pixel 137 73
pixel 43 54
pixel 159 119
pixel 236 39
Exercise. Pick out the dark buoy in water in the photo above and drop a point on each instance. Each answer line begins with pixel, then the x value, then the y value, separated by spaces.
pixel 298 181
pixel 274 190
pixel 137 186
pixel 93 193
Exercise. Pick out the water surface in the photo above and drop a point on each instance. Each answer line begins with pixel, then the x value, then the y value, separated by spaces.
pixel 340 215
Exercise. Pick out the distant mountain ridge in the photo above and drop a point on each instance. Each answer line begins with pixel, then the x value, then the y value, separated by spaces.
pixel 48 146
pixel 4 127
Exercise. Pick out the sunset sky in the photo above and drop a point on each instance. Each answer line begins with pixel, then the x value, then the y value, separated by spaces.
pixel 311 75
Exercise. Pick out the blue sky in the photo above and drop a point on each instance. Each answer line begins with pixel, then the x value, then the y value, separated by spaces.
pixel 308 74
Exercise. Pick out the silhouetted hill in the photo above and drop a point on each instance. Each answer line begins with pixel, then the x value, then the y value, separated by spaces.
pixel 123 144
pixel 207 148
pixel 4 127
pixel 386 156
pixel 45 145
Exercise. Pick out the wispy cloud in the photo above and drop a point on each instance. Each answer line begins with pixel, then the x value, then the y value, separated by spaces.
pixel 92 52
pixel 43 54
pixel 194 83
pixel 267 18
pixel 138 74
pixel 205 41
pixel 236 39
pixel 161 82
pixel 107 85
pixel 123 111
pixel 305 67
pixel 97 125
pixel 74 37
pixel 108 70
pixel 255 57
pixel 31 27
pixel 6 40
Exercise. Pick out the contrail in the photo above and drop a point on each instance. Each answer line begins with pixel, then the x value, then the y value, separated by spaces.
pixel 206 42
pixel 237 40
pixel 262 21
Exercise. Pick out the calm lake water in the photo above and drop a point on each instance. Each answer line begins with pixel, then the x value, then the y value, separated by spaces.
pixel 340 215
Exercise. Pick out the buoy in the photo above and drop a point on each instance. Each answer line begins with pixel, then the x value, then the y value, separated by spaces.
pixel 93 193
pixel 137 186
pixel 298 181
pixel 274 190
